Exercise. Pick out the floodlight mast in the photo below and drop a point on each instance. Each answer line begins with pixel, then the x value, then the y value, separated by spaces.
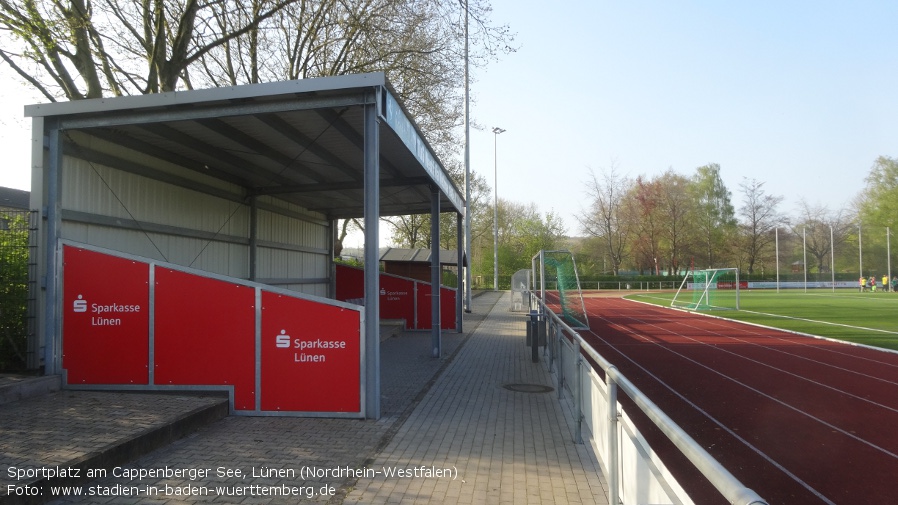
pixel 496 132
pixel 467 173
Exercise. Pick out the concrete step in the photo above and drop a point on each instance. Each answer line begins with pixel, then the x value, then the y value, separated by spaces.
pixel 18 387
pixel 59 438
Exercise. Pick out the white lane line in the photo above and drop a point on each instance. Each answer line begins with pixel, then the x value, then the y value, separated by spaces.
pixel 829 323
pixel 781 402
pixel 720 323
pixel 722 426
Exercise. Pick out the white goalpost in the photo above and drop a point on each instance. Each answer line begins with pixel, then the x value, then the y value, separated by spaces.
pixel 710 289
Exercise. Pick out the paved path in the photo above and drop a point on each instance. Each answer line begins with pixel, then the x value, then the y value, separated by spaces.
pixel 501 446
pixel 496 445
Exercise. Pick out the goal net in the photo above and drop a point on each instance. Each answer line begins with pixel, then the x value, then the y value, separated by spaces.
pixel 559 282
pixel 711 289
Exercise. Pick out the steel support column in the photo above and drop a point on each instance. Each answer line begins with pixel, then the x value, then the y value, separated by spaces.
pixel 459 294
pixel 372 240
pixel 253 236
pixel 436 344
pixel 52 315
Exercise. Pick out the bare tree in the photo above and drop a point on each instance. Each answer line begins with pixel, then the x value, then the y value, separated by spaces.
pixel 760 220
pixel 677 206
pixel 644 203
pixel 822 230
pixel 77 49
pixel 605 218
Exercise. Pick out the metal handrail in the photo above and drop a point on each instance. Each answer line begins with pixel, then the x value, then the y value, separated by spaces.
pixel 725 482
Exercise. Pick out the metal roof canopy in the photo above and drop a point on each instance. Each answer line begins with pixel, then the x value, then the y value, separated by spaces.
pixel 400 255
pixel 300 141
pixel 327 144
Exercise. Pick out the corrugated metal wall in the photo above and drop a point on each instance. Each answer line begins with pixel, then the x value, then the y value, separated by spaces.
pixel 205 226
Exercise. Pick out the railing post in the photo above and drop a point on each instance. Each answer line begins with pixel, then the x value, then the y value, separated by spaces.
pixel 560 344
pixel 534 337
pixel 613 449
pixel 579 398
pixel 550 346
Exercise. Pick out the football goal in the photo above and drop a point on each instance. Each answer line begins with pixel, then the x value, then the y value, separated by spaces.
pixel 555 273
pixel 711 289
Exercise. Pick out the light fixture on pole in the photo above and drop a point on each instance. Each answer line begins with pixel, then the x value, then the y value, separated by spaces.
pixel 496 132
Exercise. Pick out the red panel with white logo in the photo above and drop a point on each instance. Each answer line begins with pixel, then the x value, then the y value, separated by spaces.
pixel 400 298
pixel 397 299
pixel 205 334
pixel 311 355
pixel 105 321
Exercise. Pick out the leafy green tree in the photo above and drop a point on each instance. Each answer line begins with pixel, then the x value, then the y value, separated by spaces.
pixel 523 231
pixel 644 204
pixel 879 203
pixel 13 291
pixel 677 205
pixel 715 217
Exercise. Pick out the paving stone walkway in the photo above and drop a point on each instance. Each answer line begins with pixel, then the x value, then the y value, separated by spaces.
pixel 498 446
pixel 473 441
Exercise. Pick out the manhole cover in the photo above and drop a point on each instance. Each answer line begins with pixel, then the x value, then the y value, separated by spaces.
pixel 528 388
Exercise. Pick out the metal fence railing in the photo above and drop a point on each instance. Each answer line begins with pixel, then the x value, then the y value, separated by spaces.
pixel 18 279
pixel 633 471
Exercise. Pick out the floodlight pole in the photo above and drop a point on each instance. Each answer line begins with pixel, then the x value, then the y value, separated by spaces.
pixel 804 241
pixel 832 258
pixel 496 132
pixel 467 174
pixel 777 231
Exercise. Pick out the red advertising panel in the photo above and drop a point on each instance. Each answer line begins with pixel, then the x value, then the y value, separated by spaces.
pixel 311 355
pixel 350 283
pixel 105 321
pixel 205 334
pixel 397 299
pixel 731 284
pixel 447 308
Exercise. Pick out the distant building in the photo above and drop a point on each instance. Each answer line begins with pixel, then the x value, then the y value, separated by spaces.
pixel 14 199
pixel 414 263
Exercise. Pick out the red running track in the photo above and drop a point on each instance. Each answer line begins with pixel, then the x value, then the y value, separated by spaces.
pixel 797 419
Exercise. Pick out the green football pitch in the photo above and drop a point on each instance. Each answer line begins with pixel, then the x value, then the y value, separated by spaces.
pixel 863 318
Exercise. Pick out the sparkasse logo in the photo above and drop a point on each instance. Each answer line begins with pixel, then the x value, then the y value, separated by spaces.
pixel 282 341
pixel 79 305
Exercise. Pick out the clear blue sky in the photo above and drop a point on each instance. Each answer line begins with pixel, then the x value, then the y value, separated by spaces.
pixel 801 95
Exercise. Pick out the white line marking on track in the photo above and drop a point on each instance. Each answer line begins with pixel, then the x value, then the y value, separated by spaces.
pixel 758 391
pixel 830 323
pixel 722 426
pixel 750 329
